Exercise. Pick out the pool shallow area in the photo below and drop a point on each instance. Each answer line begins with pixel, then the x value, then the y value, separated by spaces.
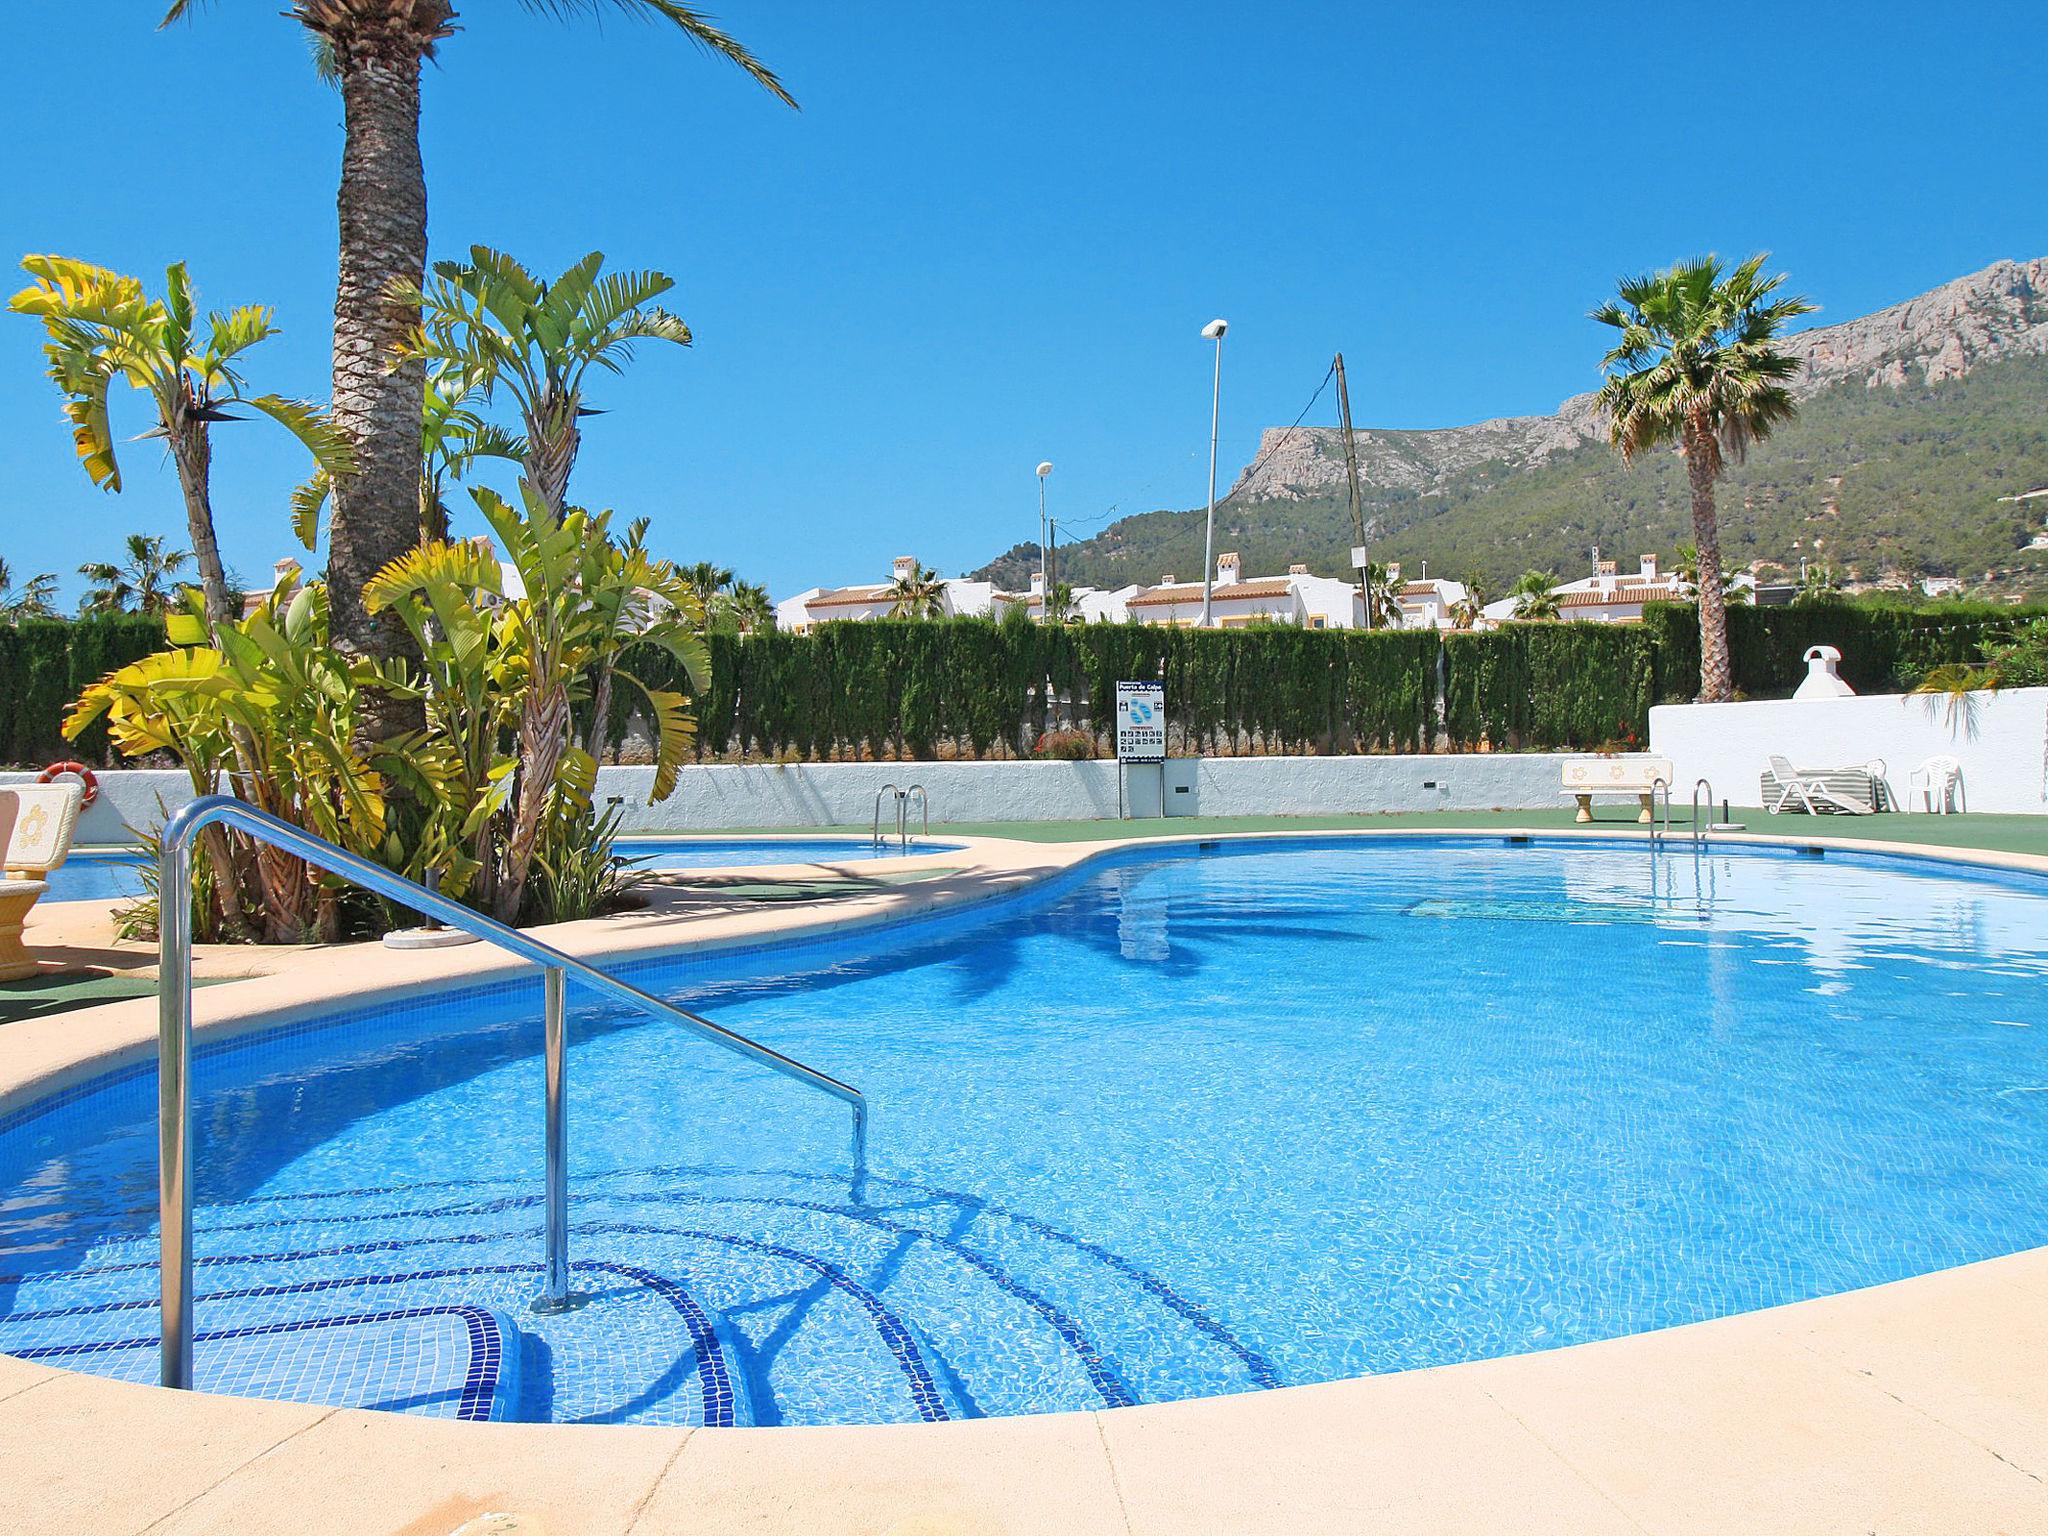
pixel 1179 1123
pixel 115 874
pixel 662 853
pixel 97 874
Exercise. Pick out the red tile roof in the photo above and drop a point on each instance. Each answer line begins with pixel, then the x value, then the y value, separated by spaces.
pixel 1191 592
pixel 849 597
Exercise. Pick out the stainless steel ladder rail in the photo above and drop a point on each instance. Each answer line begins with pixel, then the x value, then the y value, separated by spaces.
pixel 924 807
pixel 1699 828
pixel 174 1044
pixel 887 789
pixel 1658 788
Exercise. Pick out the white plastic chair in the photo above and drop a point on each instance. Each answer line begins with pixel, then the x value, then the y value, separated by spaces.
pixel 1938 776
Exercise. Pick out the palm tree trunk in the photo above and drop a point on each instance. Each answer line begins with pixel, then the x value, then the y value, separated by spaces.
pixel 543 736
pixel 193 455
pixel 378 402
pixel 1717 683
pixel 552 439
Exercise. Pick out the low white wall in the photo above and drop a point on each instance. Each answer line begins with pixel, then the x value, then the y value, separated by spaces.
pixel 716 796
pixel 843 794
pixel 2001 740
pixel 128 798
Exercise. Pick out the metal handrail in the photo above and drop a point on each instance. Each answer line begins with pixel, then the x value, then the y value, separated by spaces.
pixel 1659 787
pixel 174 1043
pixel 1699 828
pixel 887 789
pixel 924 807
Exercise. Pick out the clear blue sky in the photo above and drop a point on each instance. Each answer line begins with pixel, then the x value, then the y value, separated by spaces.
pixel 993 232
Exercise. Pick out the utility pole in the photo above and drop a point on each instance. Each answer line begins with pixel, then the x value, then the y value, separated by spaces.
pixel 1351 478
pixel 1213 331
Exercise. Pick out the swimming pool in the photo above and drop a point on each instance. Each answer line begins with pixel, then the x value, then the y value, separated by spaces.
pixel 1181 1123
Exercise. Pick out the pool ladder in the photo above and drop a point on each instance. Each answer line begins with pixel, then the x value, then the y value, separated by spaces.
pixel 924 805
pixel 174 1044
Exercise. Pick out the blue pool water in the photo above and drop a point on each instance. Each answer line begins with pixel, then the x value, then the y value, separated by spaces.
pixel 94 874
pixel 710 853
pixel 116 874
pixel 1181 1124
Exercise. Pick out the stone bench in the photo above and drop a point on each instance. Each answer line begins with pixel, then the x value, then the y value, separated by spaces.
pixel 1585 777
pixel 36 823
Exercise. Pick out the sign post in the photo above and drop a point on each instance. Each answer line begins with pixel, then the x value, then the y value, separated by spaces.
pixel 1140 734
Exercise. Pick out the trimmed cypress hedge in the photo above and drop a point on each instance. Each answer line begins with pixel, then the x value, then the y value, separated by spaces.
pixel 977 688
pixel 1884 649
pixel 45 664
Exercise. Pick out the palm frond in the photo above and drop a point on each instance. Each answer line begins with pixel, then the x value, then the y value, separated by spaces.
pixel 693 23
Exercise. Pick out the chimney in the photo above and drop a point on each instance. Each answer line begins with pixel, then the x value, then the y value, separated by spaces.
pixel 1649 567
pixel 1038 583
pixel 1394 572
pixel 1227 569
pixel 1168 580
pixel 904 567
pixel 282 570
pixel 1297 570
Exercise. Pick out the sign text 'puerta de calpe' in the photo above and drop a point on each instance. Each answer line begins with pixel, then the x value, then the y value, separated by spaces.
pixel 1141 722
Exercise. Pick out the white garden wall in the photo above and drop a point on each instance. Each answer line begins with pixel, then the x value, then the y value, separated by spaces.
pixel 720 796
pixel 2001 740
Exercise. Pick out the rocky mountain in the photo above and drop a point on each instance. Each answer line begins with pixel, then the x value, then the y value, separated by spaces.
pixel 1915 422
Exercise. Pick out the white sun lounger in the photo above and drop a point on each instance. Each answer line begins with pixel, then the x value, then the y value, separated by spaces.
pixel 1820 791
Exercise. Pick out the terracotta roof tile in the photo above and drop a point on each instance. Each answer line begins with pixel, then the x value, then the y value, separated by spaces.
pixel 1191 591
pixel 848 597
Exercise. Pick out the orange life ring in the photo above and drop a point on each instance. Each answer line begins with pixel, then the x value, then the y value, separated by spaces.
pixel 85 777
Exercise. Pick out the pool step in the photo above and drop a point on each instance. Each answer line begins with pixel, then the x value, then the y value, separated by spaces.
pixel 708 1297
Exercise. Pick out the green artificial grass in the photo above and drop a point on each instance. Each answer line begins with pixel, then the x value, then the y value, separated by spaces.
pixel 38 997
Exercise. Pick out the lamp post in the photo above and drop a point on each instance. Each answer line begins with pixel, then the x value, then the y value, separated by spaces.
pixel 1044 572
pixel 1213 331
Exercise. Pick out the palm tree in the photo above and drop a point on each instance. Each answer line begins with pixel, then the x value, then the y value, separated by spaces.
pixel 747 608
pixel 1695 364
pixel 145 582
pixel 37 598
pixel 1468 610
pixel 374 50
pixel 1382 600
pixel 917 594
pixel 1688 572
pixel 104 329
pixel 452 439
pixel 1817 584
pixel 710 582
pixel 1534 595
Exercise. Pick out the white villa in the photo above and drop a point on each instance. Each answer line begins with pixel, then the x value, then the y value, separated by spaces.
pixel 1428 602
pixel 958 599
pixel 1607 597
pixel 1313 602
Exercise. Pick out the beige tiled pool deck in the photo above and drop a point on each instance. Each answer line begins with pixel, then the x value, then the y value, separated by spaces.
pixel 1915 1407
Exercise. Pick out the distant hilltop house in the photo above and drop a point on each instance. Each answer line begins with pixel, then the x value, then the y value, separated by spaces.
pixel 510 583
pixel 957 599
pixel 1428 602
pixel 1608 597
pixel 1236 600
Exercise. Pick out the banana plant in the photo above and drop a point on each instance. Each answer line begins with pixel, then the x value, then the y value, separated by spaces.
pixel 505 669
pixel 269 704
pixel 493 325
pixel 104 329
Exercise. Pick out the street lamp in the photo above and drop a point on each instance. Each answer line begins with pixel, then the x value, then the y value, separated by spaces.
pixel 1213 331
pixel 1044 571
